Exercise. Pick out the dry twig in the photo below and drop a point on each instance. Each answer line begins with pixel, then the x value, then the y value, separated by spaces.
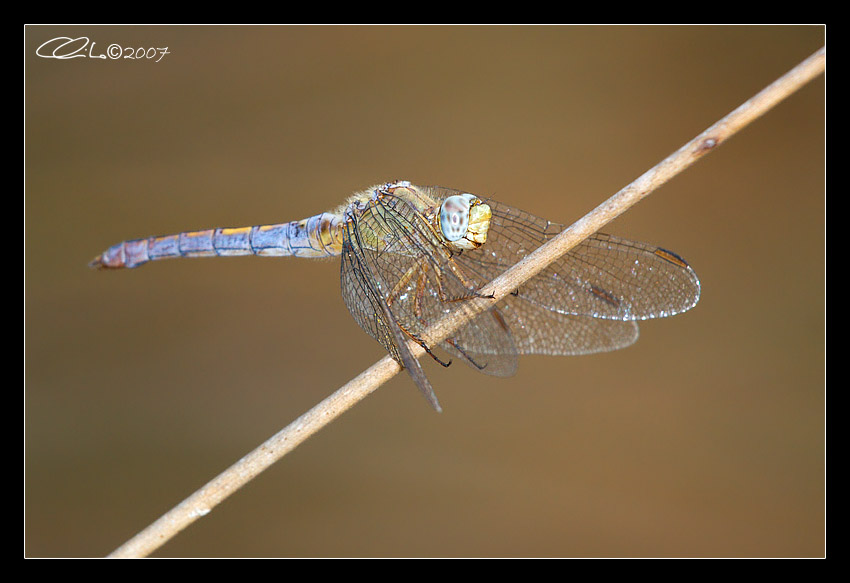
pixel 240 473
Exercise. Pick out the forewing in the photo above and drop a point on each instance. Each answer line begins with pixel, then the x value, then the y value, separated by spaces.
pixel 363 298
pixel 603 277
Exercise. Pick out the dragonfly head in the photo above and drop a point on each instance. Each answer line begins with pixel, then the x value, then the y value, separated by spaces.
pixel 464 221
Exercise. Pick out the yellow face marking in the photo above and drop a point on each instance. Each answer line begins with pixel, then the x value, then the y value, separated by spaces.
pixel 479 223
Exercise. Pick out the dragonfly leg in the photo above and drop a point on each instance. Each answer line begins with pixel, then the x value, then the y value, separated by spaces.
pixel 418 272
pixel 403 281
pixel 470 286
pixel 420 293
pixel 435 357
pixel 463 353
pixel 424 346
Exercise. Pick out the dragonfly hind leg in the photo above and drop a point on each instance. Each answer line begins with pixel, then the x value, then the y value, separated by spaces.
pixel 424 346
pixel 453 343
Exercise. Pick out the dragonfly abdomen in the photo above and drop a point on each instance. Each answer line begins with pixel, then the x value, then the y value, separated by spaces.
pixel 317 236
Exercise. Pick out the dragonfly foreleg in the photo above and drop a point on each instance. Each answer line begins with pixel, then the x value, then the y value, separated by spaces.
pixel 471 287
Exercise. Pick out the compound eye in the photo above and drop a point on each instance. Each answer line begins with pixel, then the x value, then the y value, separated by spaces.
pixel 454 217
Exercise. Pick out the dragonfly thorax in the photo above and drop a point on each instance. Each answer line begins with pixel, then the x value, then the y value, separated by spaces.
pixel 465 221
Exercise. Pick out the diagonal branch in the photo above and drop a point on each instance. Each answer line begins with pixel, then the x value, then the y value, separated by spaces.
pixel 243 471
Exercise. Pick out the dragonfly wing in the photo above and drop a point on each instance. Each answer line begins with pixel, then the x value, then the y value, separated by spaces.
pixel 363 299
pixel 538 330
pixel 603 277
pixel 586 301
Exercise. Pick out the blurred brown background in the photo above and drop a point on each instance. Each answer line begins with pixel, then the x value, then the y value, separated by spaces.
pixel 706 438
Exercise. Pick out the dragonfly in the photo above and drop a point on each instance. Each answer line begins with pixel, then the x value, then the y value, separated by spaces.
pixel 411 255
